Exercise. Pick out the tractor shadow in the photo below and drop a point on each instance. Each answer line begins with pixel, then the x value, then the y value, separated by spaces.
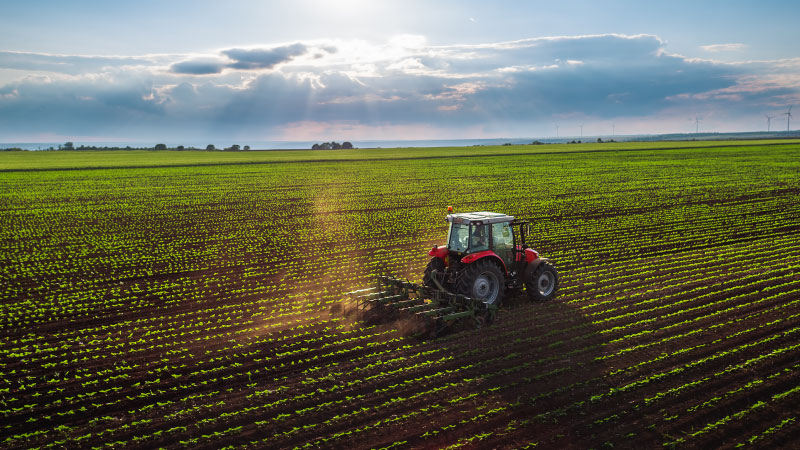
pixel 544 355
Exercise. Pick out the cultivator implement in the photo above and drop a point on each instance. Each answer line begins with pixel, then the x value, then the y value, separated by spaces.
pixel 435 309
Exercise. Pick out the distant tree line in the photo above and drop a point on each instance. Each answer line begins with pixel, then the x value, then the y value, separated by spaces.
pixel 332 146
pixel 157 147
pixel 232 148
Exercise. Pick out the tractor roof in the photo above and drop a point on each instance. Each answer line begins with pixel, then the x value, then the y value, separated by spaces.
pixel 482 216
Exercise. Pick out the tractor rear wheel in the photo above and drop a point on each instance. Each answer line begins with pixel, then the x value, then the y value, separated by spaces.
pixel 436 264
pixel 541 284
pixel 484 281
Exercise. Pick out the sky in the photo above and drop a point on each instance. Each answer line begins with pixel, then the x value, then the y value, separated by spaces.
pixel 306 70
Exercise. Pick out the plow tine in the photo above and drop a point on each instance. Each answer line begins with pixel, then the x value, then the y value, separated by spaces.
pixel 359 291
pixel 428 305
pixel 458 315
pixel 406 303
pixel 374 294
pixel 436 312
pixel 413 309
pixel 388 300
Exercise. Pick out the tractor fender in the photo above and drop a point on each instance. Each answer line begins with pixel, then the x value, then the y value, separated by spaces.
pixel 439 251
pixel 530 255
pixel 485 254
pixel 531 267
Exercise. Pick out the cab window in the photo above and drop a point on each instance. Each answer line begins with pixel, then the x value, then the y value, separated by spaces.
pixel 502 236
pixel 503 242
pixel 458 238
pixel 479 238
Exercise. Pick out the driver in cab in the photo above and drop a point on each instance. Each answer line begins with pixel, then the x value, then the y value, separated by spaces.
pixel 479 239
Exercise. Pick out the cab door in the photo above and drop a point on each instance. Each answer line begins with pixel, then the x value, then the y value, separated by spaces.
pixel 503 243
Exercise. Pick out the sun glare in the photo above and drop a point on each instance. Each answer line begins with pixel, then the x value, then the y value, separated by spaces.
pixel 345 8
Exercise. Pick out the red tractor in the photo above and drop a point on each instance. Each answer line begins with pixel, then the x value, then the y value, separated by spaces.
pixel 466 279
pixel 486 255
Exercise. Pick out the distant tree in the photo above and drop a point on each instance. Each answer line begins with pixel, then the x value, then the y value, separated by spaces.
pixel 211 147
pixel 600 140
pixel 235 147
pixel 69 146
pixel 161 146
pixel 180 148
pixel 347 145
pixel 336 146
pixel 315 147
pixel 246 147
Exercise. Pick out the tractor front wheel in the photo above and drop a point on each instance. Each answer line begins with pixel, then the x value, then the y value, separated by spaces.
pixel 484 281
pixel 541 284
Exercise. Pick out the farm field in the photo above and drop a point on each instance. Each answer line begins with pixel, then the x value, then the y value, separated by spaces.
pixel 194 300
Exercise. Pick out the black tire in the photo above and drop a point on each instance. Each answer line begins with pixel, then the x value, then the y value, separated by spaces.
pixel 542 284
pixel 436 264
pixel 484 281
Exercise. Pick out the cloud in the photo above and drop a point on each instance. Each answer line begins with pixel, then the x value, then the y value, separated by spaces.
pixel 70 64
pixel 409 41
pixel 248 59
pixel 256 58
pixel 198 67
pixel 79 105
pixel 515 88
pixel 714 48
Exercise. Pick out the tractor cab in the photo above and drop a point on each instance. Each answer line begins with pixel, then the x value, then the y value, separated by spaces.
pixel 481 232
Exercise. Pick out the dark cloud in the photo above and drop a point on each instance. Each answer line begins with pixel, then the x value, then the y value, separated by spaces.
pixel 79 106
pixel 249 59
pixel 640 87
pixel 197 67
pixel 603 50
pixel 245 59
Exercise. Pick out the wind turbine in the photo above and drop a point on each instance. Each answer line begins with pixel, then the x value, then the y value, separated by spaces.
pixel 788 115
pixel 581 131
pixel 769 118
pixel 696 124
